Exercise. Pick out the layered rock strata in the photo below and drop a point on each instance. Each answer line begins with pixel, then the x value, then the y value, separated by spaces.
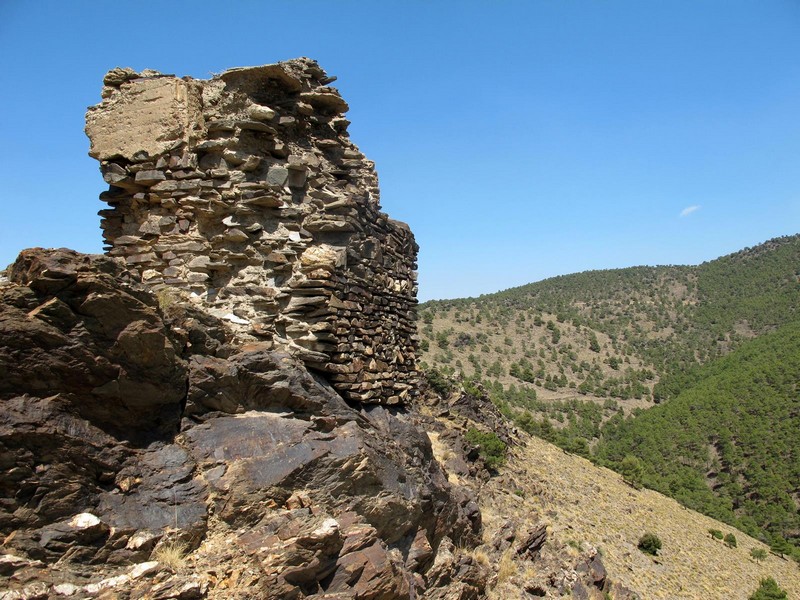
pixel 129 426
pixel 245 191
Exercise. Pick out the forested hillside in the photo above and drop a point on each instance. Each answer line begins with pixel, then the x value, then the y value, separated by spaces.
pixel 582 360
pixel 729 445
pixel 669 318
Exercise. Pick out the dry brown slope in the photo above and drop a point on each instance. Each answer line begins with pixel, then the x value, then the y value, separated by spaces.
pixel 507 339
pixel 588 505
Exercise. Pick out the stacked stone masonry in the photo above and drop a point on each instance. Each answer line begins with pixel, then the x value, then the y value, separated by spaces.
pixel 245 191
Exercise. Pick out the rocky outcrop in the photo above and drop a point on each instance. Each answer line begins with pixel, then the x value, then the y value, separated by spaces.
pixel 76 329
pixel 91 382
pixel 525 558
pixel 245 192
pixel 131 426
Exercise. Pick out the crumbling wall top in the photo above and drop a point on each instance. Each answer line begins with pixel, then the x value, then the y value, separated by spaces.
pixel 245 191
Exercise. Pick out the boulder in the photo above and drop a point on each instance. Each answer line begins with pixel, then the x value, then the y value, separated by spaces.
pixel 532 540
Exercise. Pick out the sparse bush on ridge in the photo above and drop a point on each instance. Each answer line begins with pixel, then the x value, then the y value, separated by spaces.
pixel 470 386
pixel 781 547
pixel 437 381
pixel 631 470
pixel 650 543
pixel 490 447
pixel 758 554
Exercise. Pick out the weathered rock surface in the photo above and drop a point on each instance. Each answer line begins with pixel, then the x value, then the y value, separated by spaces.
pixel 92 382
pixel 127 426
pixel 246 191
pixel 79 330
pixel 524 559
pixel 157 113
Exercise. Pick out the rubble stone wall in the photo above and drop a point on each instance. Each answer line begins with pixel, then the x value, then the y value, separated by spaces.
pixel 245 191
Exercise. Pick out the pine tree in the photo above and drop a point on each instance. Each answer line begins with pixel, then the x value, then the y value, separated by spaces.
pixel 769 590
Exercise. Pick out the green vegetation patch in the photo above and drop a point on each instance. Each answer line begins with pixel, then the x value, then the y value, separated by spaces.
pixel 769 590
pixel 490 447
pixel 727 446
pixel 649 543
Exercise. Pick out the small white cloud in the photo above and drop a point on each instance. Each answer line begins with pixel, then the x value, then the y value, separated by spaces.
pixel 689 210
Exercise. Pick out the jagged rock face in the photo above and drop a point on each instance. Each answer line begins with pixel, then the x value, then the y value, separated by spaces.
pixel 79 328
pixel 89 374
pixel 278 487
pixel 246 191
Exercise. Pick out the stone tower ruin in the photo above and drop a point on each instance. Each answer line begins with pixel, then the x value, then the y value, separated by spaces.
pixel 245 191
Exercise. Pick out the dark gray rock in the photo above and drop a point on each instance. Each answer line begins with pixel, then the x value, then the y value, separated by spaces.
pixel 83 529
pixel 94 338
pixel 531 541
pixel 52 463
pixel 505 536
pixel 157 489
pixel 260 380
pixel 100 415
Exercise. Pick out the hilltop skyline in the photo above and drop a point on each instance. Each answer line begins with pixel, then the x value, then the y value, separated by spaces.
pixel 518 140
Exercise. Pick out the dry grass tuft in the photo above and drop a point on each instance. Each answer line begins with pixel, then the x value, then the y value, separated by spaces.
pixel 480 556
pixel 172 555
pixel 506 568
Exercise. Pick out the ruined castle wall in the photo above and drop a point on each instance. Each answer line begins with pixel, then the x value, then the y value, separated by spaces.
pixel 245 191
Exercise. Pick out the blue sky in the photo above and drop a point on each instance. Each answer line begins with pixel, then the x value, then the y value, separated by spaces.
pixel 519 139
